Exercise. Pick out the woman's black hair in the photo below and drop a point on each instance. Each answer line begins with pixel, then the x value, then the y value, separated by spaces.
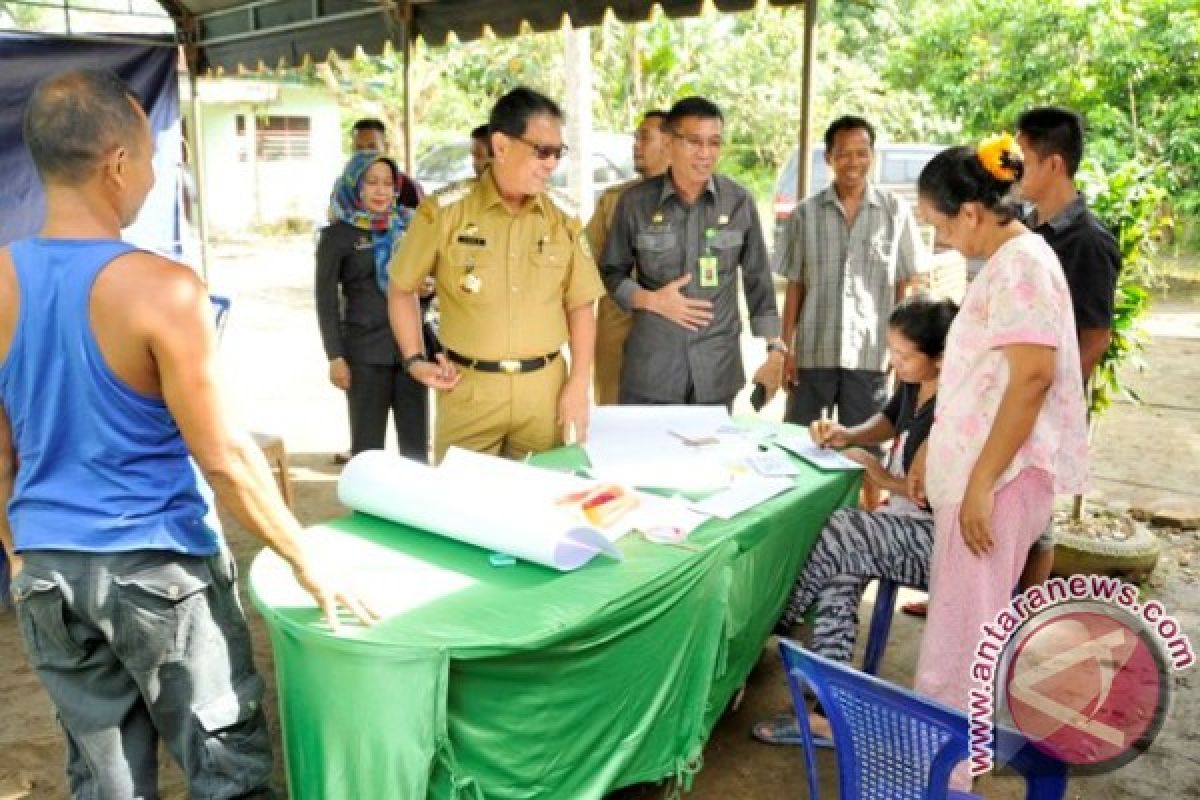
pixel 956 176
pixel 924 322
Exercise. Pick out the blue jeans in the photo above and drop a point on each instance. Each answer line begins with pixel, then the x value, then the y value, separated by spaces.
pixel 136 646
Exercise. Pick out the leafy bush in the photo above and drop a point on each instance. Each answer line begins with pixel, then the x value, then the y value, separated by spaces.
pixel 1132 201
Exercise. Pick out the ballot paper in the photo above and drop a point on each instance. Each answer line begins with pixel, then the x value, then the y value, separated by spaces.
pixel 489 502
pixel 683 448
pixel 742 496
pixel 801 444
pixel 772 464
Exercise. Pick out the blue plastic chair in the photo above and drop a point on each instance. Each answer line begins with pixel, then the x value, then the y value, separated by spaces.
pixel 892 744
pixel 881 624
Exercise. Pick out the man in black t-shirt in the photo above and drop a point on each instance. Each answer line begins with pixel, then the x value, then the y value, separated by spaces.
pixel 1052 142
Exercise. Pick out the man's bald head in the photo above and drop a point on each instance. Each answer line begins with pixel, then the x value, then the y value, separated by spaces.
pixel 74 119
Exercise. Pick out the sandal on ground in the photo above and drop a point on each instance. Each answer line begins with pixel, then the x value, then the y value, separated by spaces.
pixel 917 608
pixel 783 729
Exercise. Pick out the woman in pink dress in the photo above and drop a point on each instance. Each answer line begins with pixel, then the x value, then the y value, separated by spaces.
pixel 1010 429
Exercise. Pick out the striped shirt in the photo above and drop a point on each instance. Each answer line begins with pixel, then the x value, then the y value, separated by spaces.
pixel 849 275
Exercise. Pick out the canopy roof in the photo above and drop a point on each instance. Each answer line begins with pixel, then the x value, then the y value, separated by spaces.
pixel 231 33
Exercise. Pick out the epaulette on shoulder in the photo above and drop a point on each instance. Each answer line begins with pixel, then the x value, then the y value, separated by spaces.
pixel 453 192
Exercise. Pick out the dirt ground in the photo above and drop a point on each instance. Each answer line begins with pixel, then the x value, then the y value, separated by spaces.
pixel 1146 456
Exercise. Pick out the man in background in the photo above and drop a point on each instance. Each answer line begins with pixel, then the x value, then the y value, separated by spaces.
pixel 849 256
pixel 651 157
pixel 481 149
pixel 678 245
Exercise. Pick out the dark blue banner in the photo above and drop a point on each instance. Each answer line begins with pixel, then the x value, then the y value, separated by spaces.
pixel 151 71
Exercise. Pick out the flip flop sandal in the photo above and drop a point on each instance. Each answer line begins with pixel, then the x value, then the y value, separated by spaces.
pixel 783 729
pixel 917 608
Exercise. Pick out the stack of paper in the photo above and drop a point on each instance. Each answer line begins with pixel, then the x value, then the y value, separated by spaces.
pixel 686 448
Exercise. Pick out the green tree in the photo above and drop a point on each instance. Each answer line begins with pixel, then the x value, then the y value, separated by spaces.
pixel 1132 67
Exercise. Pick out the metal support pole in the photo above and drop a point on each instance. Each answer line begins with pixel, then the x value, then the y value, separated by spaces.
pixel 409 105
pixel 803 167
pixel 196 147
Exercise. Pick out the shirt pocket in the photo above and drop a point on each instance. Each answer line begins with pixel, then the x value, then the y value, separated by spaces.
pixel 550 261
pixel 726 245
pixel 472 275
pixel 658 256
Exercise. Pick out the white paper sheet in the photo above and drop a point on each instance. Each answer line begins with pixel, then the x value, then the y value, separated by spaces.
pixel 742 496
pixel 772 464
pixel 489 502
pixel 645 446
pixel 821 457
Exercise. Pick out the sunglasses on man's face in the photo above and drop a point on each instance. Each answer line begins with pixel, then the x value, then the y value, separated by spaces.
pixel 545 152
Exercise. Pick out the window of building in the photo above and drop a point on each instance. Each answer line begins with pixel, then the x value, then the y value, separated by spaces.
pixel 283 138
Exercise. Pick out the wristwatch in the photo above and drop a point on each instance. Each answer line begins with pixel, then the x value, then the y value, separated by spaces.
pixel 410 360
pixel 777 346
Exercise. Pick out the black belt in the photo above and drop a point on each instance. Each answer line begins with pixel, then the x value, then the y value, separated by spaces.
pixel 508 366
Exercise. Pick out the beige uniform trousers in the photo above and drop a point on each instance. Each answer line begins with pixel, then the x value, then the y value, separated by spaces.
pixel 612 328
pixel 505 415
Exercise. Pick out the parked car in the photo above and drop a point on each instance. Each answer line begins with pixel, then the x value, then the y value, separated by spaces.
pixel 896 168
pixel 611 162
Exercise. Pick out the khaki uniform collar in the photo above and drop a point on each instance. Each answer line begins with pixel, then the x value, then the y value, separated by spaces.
pixel 491 194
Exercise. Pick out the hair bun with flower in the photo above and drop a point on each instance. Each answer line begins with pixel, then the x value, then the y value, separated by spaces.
pixel 1001 157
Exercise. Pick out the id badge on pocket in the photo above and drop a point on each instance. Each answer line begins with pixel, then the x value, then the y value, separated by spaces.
pixel 708 272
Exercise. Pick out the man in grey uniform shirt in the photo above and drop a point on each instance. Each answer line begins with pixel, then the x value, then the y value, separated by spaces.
pixel 687 233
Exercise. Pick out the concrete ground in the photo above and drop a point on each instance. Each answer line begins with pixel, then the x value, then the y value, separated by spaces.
pixel 1146 455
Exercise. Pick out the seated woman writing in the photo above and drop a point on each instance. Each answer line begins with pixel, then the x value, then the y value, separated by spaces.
pixel 893 541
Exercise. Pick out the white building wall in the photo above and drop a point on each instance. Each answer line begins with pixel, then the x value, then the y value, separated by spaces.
pixel 243 192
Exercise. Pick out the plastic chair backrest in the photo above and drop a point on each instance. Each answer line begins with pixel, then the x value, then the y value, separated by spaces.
pixel 221 305
pixel 893 744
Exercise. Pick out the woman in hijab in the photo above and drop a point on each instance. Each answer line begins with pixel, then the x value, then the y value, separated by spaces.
pixel 351 287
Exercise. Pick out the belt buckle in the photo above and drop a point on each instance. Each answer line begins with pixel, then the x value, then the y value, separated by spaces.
pixel 510 366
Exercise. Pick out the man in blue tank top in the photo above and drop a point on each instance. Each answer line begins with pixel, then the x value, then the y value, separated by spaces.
pixel 111 433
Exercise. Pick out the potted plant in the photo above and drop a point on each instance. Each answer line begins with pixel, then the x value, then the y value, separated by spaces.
pixel 1132 202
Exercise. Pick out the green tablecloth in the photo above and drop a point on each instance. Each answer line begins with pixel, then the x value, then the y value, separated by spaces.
pixel 522 682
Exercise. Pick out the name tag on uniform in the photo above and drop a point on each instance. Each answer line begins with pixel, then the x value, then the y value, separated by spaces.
pixel 470 236
pixel 708 272
pixel 364 244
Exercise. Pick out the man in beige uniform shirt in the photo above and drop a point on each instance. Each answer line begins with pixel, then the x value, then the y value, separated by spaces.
pixel 515 281
pixel 651 157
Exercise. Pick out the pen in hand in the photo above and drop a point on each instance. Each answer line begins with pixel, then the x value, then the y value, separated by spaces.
pixel 824 428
